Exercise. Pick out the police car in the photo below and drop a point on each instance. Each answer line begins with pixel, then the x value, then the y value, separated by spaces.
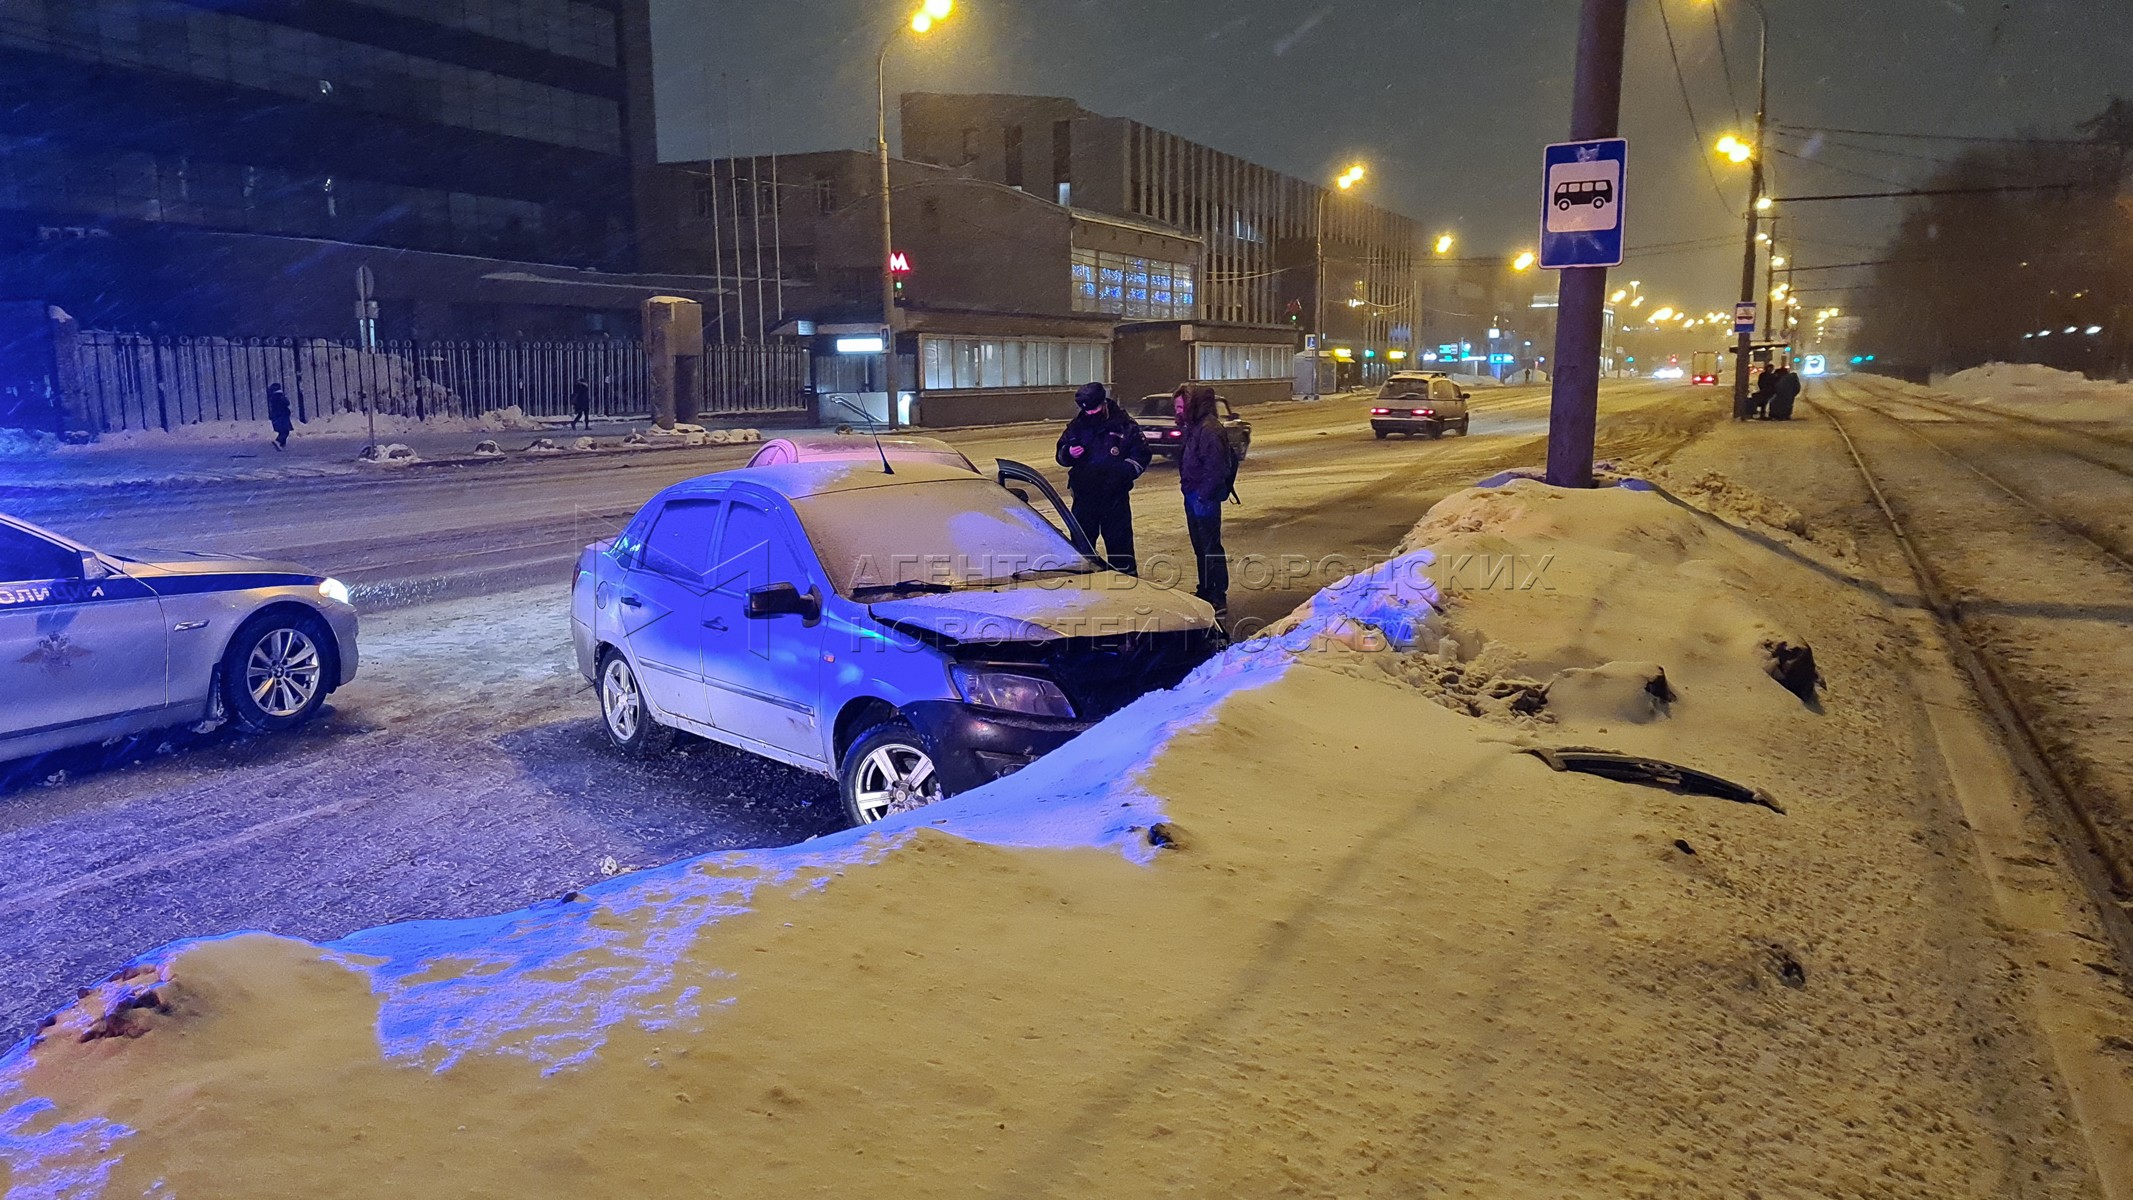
pixel 98 645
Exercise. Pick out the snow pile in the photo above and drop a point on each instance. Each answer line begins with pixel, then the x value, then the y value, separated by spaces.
pixel 343 424
pixel 1299 925
pixel 734 437
pixel 390 454
pixel 24 443
pixel 2038 390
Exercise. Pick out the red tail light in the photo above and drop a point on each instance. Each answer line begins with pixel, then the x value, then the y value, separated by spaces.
pixel 1424 412
pixel 1380 412
pixel 1175 433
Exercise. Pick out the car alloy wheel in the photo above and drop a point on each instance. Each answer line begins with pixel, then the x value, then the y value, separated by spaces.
pixel 620 701
pixel 283 672
pixel 894 777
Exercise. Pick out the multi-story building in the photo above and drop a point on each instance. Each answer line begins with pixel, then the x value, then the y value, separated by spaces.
pixel 1270 238
pixel 213 145
pixel 999 313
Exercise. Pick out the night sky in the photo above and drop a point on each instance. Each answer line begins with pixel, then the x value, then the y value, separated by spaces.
pixel 1449 102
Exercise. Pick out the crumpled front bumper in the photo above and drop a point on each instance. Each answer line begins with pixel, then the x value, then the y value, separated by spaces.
pixel 973 746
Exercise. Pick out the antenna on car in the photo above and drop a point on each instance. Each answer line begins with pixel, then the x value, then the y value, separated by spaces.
pixel 868 417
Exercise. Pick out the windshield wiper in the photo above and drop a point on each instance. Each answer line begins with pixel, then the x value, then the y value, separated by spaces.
pixel 1044 572
pixel 876 590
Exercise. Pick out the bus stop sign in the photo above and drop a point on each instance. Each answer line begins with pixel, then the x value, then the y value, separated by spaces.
pixel 1582 202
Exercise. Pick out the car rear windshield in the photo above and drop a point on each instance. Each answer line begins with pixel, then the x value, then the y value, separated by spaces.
pixel 951 533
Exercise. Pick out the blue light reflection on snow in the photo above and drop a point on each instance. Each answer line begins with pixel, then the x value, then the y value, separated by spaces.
pixel 549 982
pixel 70 1161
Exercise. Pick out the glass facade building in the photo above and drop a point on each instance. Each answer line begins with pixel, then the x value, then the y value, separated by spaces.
pixel 504 128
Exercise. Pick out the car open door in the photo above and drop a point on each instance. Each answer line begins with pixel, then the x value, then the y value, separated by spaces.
pixel 1023 480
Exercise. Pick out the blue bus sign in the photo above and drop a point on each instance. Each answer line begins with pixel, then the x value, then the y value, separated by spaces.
pixel 1582 198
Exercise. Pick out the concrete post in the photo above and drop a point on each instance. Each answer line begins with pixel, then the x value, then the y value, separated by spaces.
pixel 673 350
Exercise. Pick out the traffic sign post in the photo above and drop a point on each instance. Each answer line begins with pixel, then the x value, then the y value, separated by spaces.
pixel 1744 318
pixel 1581 235
pixel 1582 204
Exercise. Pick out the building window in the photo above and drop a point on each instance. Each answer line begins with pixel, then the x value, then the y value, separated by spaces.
pixel 1139 289
pixel 1227 361
pixel 1011 146
pixel 961 364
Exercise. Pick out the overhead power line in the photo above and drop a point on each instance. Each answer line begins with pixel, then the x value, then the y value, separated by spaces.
pixel 1970 191
pixel 1937 137
pixel 1695 127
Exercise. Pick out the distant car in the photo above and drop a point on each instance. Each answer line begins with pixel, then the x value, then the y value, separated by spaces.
pixel 98 645
pixel 911 634
pixel 1420 402
pixel 1705 367
pixel 1158 419
pixel 1668 373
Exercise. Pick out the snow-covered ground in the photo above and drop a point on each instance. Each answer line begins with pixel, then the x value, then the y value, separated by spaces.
pixel 1313 923
pixel 2035 390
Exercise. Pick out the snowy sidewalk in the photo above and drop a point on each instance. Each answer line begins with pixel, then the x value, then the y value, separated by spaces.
pixel 223 454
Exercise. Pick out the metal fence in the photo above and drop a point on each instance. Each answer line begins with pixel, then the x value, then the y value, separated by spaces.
pixel 754 377
pixel 127 381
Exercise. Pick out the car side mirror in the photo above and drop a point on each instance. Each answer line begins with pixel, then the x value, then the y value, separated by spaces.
pixel 1466 395
pixel 784 600
pixel 93 568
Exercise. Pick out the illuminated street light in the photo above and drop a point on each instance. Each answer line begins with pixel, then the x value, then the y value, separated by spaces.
pixel 1637 303
pixel 1763 203
pixel 929 13
pixel 1778 261
pixel 1664 314
pixel 1523 261
pixel 1350 177
pixel 1444 244
pixel 1620 295
pixel 1735 150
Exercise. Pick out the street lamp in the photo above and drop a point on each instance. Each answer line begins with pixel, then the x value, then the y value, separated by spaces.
pixel 1523 262
pixel 1444 243
pixel 1344 181
pixel 929 14
pixel 1737 151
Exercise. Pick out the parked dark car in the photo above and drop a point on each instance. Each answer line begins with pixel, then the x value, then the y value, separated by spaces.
pixel 1157 415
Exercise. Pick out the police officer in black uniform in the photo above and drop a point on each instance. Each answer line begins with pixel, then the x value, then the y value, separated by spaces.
pixel 1104 453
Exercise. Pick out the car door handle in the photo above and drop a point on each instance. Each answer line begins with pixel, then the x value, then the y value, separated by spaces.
pixel 631 602
pixel 717 623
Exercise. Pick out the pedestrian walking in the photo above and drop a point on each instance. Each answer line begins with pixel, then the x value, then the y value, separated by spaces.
pixel 278 415
pixel 1783 392
pixel 1104 453
pixel 1207 474
pixel 1765 389
pixel 581 404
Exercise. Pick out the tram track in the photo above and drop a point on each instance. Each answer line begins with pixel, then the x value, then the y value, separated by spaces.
pixel 2085 818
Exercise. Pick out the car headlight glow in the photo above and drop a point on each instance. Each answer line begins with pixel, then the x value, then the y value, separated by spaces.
pixel 1011 692
pixel 334 590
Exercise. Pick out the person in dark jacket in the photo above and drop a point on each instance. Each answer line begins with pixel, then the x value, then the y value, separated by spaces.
pixel 1104 453
pixel 278 415
pixel 1206 471
pixel 581 404
pixel 1783 392
pixel 1765 388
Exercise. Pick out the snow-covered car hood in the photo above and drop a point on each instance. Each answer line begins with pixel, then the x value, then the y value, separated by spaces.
pixel 1099 604
pixel 196 562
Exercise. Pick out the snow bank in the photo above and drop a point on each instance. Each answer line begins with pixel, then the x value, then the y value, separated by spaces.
pixel 335 424
pixel 2038 390
pixel 1311 923
pixel 24 443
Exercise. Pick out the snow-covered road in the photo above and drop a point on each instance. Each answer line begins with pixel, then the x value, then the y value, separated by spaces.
pixel 462 773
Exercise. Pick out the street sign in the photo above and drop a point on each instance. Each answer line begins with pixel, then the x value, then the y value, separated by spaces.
pixel 1744 318
pixel 1311 343
pixel 1581 204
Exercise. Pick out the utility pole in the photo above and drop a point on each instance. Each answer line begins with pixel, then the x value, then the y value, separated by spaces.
pixel 888 237
pixel 1596 111
pixel 1743 343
